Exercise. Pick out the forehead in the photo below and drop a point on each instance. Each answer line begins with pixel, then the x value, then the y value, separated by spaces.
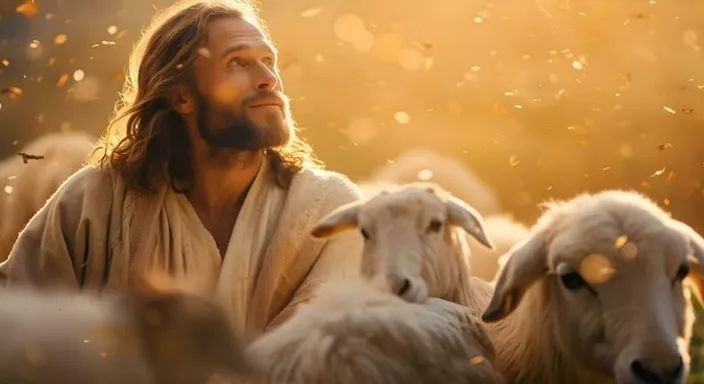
pixel 404 203
pixel 628 236
pixel 227 32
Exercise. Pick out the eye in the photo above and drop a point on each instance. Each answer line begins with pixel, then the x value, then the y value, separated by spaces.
pixel 269 62
pixel 435 225
pixel 682 272
pixel 235 62
pixel 570 278
pixel 364 233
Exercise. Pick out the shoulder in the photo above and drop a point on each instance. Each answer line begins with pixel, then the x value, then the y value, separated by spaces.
pixel 333 188
pixel 93 179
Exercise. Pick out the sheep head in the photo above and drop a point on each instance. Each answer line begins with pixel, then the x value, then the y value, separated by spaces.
pixel 612 268
pixel 408 234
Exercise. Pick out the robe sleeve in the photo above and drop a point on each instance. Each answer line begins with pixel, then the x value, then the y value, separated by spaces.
pixel 340 256
pixel 67 237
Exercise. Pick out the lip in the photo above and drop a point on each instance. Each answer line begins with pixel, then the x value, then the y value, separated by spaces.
pixel 270 103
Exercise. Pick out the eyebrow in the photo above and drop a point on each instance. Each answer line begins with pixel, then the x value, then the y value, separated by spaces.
pixel 245 46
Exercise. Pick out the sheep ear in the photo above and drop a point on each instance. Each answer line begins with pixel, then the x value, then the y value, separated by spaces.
pixel 469 219
pixel 526 262
pixel 340 219
pixel 695 257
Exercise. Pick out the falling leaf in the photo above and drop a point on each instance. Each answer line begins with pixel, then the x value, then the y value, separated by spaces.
pixel 28 9
pixel 62 80
pixel 658 172
pixel 311 12
pixel 620 241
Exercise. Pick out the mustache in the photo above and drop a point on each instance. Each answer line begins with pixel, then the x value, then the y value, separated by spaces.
pixel 266 96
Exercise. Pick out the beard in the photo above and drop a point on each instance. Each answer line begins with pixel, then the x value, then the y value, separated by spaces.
pixel 225 128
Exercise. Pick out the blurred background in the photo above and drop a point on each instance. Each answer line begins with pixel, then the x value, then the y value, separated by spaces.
pixel 540 98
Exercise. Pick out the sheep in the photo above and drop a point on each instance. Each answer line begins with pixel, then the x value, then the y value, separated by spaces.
pixel 505 233
pixel 379 328
pixel 600 277
pixel 28 186
pixel 353 333
pixel 446 171
pixel 147 335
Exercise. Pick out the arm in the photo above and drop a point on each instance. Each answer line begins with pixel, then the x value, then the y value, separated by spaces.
pixel 66 237
pixel 340 256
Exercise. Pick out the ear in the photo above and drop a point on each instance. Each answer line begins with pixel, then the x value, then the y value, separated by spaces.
pixel 695 257
pixel 525 264
pixel 469 219
pixel 183 101
pixel 342 218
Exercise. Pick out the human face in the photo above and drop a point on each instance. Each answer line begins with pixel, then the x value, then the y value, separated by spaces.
pixel 238 99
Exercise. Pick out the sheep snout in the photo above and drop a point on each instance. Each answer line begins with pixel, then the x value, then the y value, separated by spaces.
pixel 659 366
pixel 412 290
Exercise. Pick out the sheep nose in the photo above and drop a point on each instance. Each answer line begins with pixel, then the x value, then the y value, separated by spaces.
pixel 401 286
pixel 648 373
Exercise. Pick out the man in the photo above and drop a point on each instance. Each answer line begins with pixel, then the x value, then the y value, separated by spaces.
pixel 199 175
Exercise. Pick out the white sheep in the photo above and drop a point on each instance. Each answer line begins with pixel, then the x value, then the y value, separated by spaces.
pixel 424 164
pixel 150 335
pixel 353 333
pixel 372 330
pixel 26 187
pixel 600 279
pixel 504 232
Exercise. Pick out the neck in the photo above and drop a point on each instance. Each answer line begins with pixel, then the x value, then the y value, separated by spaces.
pixel 220 184
pixel 526 346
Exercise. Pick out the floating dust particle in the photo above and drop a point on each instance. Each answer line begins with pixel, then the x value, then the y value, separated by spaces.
pixel 78 75
pixel 28 9
pixel 688 111
pixel 103 354
pixel 112 30
pixel 425 174
pixel 513 160
pixel 658 172
pixel 60 39
pixel 576 64
pixel 402 117
pixel 518 106
pixel 8 189
pixel 107 42
pixel 478 20
pixel 671 176
pixel 666 201
pixel 6 62
pixel 606 168
pixel 319 58
pixel 52 61
pixel 15 92
pixel 86 341
pixel 623 239
pixel 121 34
pixel 668 109
pixel 34 44
pixel 348 26
pixel 665 146
pixel 311 12
pixel 596 269
pixel 0 106
pixel 62 80
pixel 629 250
pixel 476 360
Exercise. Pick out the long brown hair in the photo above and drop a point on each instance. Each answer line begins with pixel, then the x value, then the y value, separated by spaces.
pixel 146 140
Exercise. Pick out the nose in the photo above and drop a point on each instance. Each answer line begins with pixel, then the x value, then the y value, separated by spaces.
pixel 668 371
pixel 410 290
pixel 267 79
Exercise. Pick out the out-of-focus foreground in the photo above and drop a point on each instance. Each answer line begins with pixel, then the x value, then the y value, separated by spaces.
pixel 540 98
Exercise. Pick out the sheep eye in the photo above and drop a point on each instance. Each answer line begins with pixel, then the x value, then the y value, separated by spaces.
pixel 570 278
pixel 365 234
pixel 682 272
pixel 435 225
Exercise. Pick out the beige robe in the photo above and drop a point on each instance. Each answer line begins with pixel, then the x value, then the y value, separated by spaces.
pixel 93 232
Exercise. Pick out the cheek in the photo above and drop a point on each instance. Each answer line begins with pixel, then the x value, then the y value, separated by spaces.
pixel 228 92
